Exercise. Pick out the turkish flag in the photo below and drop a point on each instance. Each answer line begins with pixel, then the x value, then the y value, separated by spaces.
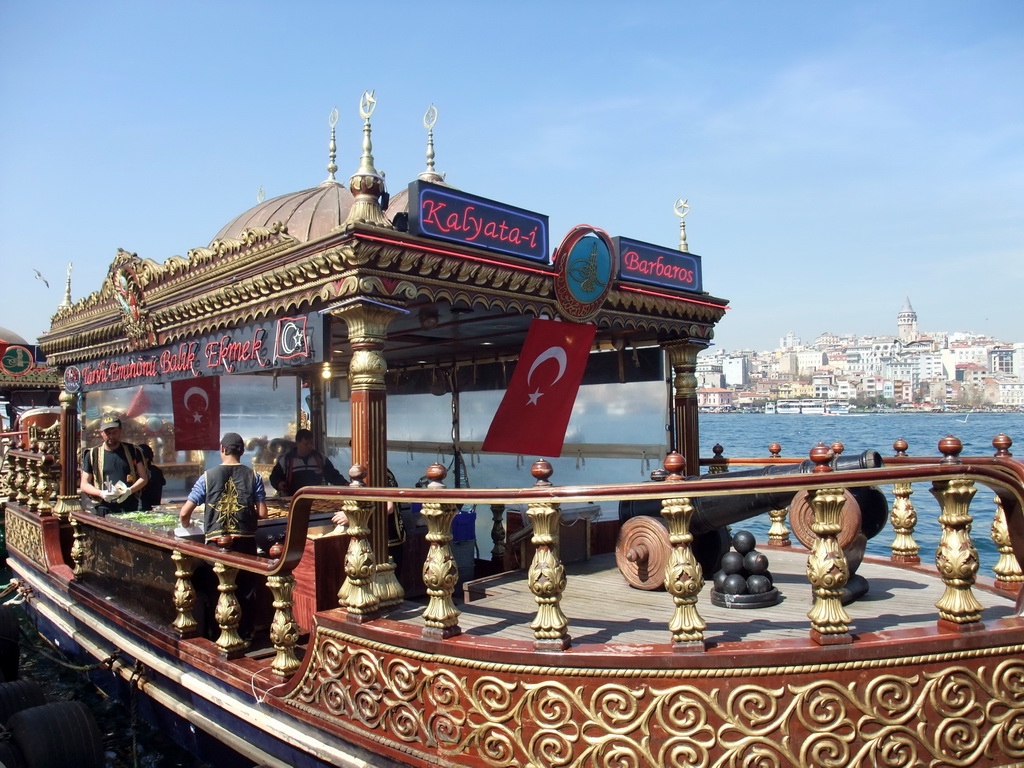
pixel 534 413
pixel 196 413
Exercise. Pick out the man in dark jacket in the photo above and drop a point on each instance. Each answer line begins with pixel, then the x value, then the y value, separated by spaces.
pixel 233 495
pixel 303 465
pixel 152 494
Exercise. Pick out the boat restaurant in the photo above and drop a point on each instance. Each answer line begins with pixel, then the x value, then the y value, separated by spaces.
pixel 507 589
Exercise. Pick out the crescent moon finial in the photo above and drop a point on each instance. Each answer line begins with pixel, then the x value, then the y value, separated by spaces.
pixel 367 105
pixel 682 207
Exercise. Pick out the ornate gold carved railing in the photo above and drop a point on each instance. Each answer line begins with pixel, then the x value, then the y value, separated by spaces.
pixel 32 477
pixel 951 479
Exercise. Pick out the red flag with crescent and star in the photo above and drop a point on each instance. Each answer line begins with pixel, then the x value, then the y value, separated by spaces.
pixel 534 413
pixel 196 413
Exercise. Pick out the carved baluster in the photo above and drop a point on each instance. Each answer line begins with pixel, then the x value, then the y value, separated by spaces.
pixel 956 558
pixel 31 482
pixel 440 571
pixel 1008 572
pixel 78 547
pixel 498 533
pixel 778 531
pixel 21 480
pixel 827 569
pixel 44 488
pixel 903 517
pixel 357 594
pixel 1007 569
pixel 184 595
pixel 683 577
pixel 228 613
pixel 547 574
pixel 7 476
pixel 284 630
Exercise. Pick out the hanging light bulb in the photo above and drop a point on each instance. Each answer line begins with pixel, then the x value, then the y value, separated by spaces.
pixel 326 372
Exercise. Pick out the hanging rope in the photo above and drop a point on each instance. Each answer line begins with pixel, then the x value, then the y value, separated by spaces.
pixel 138 674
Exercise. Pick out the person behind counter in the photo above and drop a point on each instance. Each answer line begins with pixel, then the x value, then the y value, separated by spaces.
pixel 234 498
pixel 106 466
pixel 153 493
pixel 303 465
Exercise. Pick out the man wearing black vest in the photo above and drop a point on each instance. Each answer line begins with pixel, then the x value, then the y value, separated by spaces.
pixel 233 495
pixel 113 473
pixel 303 465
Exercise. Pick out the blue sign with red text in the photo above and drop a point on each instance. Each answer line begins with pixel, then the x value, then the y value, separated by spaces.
pixel 656 265
pixel 449 214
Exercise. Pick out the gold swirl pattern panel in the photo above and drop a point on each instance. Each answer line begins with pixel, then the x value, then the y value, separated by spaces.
pixel 26 537
pixel 938 710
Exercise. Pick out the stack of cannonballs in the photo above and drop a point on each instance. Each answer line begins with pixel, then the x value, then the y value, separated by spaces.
pixel 744 580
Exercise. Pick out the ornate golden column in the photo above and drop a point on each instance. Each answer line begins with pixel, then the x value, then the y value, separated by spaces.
pixel 367 331
pixel 1007 569
pixel 827 569
pixel 68 500
pixel 547 574
pixel 440 571
pixel 683 577
pixel 682 356
pixel 228 613
pixel 184 595
pixel 956 558
pixel 357 594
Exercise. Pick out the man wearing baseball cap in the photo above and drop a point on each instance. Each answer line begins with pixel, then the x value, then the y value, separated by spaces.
pixel 113 473
pixel 233 495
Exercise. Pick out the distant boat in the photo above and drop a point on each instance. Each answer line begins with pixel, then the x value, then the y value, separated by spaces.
pixel 837 407
pixel 816 407
pixel 787 406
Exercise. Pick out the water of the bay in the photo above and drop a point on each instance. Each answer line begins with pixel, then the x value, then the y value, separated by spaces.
pixel 749 435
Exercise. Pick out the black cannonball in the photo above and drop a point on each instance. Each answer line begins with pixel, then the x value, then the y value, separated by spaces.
pixel 719 579
pixel 755 562
pixel 758 584
pixel 732 562
pixel 735 585
pixel 743 541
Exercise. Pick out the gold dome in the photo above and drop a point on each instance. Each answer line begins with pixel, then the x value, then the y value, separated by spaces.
pixel 308 214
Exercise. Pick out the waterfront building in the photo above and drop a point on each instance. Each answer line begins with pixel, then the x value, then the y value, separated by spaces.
pixel 1003 392
pixel 714 399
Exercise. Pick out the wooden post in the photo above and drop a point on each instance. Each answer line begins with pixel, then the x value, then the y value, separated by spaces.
pixel 367 331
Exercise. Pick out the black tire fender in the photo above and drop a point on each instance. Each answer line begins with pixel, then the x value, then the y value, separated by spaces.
pixel 18 695
pixel 10 650
pixel 58 735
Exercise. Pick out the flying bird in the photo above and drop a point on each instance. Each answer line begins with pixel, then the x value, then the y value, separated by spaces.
pixel 39 276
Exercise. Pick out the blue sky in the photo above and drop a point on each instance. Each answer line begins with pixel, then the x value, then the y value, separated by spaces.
pixel 837 156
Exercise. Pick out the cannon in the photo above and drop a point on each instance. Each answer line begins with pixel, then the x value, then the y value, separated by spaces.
pixel 643 546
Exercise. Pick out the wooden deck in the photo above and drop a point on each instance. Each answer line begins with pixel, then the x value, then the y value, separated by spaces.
pixel 602 608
